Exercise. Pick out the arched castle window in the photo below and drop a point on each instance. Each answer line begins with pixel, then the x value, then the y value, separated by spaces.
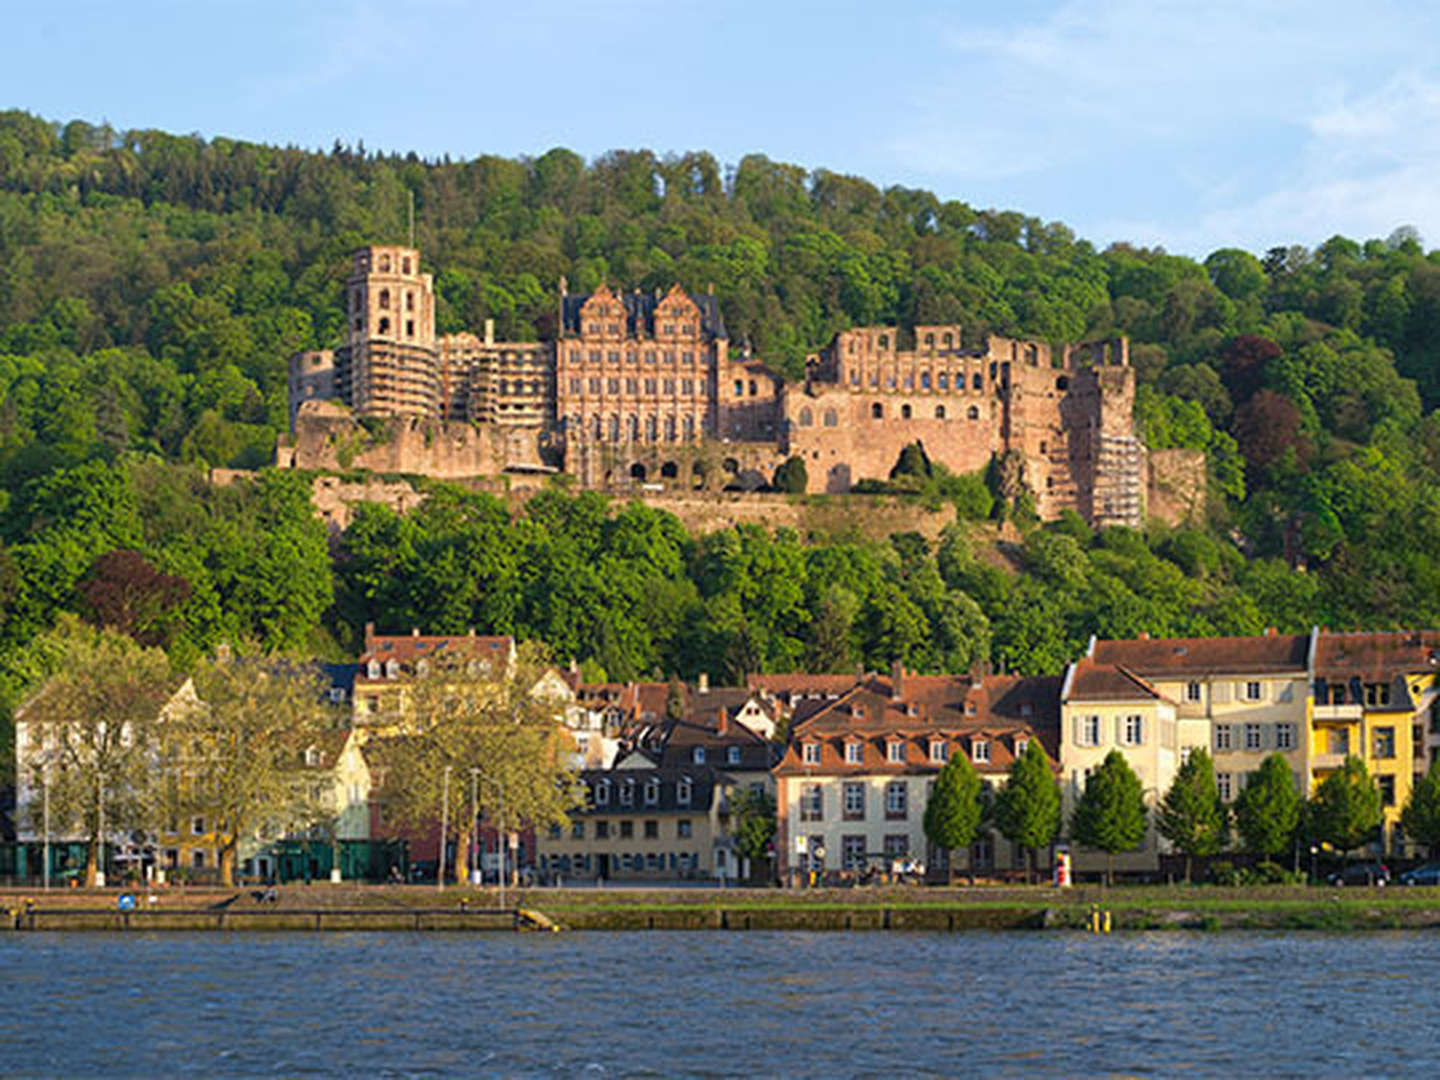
pixel 634 426
pixel 405 265
pixel 877 411
pixel 599 427
pixel 652 428
pixel 904 412
pixel 1062 383
pixel 384 326
pixel 978 381
pixel 409 301
pixel 384 264
pixel 384 299
pixel 924 380
pixel 830 418
pixel 615 428
pixel 942 381
pixel 806 417
pixel 948 340
pixel 973 412
pixel 929 341
pixel 670 429
pixel 690 429
pixel 884 341
pixel 939 412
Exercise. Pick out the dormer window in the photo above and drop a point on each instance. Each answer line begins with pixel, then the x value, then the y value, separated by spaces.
pixel 854 753
pixel 312 756
pixel 1021 745
pixel 980 750
pixel 337 695
pixel 697 755
pixel 684 791
pixel 372 669
pixel 939 751
pixel 652 792
pixel 810 753
pixel 392 668
pixel 627 793
pixel 895 752
pixel 969 708
pixel 422 667
pixel 732 755
pixel 602 793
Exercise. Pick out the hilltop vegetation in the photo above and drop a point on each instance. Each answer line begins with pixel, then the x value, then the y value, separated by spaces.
pixel 152 287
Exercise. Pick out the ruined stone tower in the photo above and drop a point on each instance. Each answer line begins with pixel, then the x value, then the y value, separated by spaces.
pixel 388 364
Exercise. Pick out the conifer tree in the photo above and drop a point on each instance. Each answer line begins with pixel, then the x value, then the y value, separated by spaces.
pixel 1421 816
pixel 952 816
pixel 1110 815
pixel 1268 810
pixel 1027 810
pixel 1191 815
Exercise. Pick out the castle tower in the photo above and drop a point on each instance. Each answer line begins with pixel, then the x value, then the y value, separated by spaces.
pixel 389 365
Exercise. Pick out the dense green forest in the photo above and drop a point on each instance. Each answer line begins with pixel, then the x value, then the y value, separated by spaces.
pixel 152 287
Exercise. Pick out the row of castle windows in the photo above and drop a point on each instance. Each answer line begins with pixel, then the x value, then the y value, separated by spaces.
pixel 688 387
pixel 385 264
pixel 942 380
pixel 631 356
pixel 877 412
pixel 383 326
pixel 666 329
pixel 384 300
pixel 601 427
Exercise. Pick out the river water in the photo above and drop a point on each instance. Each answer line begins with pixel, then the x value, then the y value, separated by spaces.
pixel 711 1004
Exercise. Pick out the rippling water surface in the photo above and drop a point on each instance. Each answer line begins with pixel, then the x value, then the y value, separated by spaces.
pixel 667 1004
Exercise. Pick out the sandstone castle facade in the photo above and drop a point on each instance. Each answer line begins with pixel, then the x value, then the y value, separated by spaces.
pixel 644 389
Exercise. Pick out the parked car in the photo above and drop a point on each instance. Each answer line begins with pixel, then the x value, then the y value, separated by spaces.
pixel 1429 874
pixel 1370 873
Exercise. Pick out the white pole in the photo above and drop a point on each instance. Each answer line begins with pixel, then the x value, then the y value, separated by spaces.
pixel 444 828
pixel 45 850
pixel 100 867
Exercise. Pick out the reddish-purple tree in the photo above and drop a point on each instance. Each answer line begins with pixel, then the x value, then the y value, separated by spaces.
pixel 127 593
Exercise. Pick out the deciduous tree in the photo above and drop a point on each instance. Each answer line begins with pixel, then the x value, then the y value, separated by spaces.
pixel 1345 810
pixel 1421 816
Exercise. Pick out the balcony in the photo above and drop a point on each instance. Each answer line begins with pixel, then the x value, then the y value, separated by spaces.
pixel 1324 762
pixel 1338 713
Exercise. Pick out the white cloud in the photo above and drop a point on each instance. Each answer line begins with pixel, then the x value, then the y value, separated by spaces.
pixel 1226 122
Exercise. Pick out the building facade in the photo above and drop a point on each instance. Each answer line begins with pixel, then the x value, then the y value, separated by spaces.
pixel 643 389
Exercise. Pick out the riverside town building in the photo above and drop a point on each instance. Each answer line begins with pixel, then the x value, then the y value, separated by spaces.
pixel 848 760
pixel 643 389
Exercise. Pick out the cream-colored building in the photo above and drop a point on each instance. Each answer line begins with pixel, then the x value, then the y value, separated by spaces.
pixel 1104 707
pixel 853 785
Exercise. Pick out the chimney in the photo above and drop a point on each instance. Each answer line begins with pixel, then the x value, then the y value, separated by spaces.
pixel 897 678
pixel 564 285
pixel 489 331
pixel 470 630
pixel 702 684
pixel 722 722
pixel 1144 635
pixel 414 631
pixel 1270 631
pixel 369 635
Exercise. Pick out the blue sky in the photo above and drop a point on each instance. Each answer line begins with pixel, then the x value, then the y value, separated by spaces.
pixel 1188 125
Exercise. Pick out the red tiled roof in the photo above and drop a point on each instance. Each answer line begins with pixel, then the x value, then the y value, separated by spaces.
pixel 406 649
pixel 1153 657
pixel 1091 681
pixel 1377 655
